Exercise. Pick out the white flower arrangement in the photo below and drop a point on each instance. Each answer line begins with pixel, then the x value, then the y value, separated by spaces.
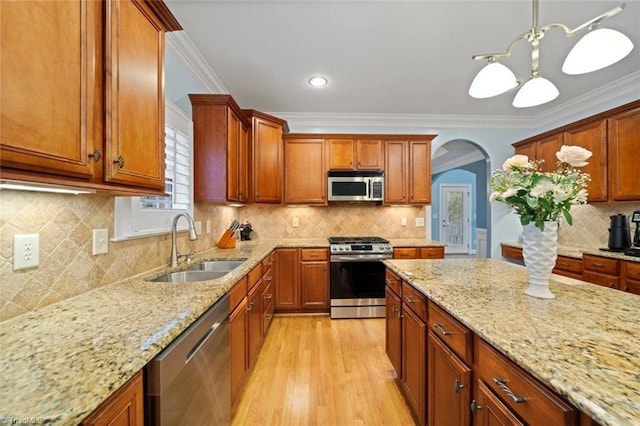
pixel 538 196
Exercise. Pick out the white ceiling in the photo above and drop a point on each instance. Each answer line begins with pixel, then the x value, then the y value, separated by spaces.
pixel 390 57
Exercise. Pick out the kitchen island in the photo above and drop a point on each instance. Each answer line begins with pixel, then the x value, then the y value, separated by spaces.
pixel 584 345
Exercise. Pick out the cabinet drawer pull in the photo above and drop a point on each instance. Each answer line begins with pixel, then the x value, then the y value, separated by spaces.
pixel 95 155
pixel 611 285
pixel 502 384
pixel 389 282
pixel 314 255
pixel 442 330
pixel 394 309
pixel 404 254
pixel 599 265
pixel 475 407
pixel 119 161
pixel 268 296
pixel 563 264
pixel 408 299
pixel 457 386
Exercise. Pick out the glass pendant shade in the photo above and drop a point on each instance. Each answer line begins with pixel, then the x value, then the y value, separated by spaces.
pixel 492 80
pixel 536 91
pixel 598 49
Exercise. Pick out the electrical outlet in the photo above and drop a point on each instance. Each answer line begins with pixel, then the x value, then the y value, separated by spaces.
pixel 296 222
pixel 26 251
pixel 100 241
pixel 208 226
pixel 404 221
pixel 198 225
pixel 419 221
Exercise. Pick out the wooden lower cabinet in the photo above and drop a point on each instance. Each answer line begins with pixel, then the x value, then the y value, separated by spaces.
pixel 449 385
pixel 393 335
pixel 238 323
pixel 488 410
pixel 302 280
pixel 405 253
pixel 123 408
pixel 254 331
pixel 414 360
pixel 532 402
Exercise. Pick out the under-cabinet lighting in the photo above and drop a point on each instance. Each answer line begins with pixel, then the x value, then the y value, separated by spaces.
pixel 40 187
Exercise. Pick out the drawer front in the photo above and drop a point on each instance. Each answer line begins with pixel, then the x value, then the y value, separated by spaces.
pixel 631 286
pixel 599 264
pixel 254 276
pixel 601 279
pixel 569 264
pixel 632 270
pixel 415 300
pixel 455 335
pixel 237 293
pixel 313 254
pixel 512 252
pixel 431 253
pixel 268 261
pixel 532 401
pixel 405 253
pixel 393 282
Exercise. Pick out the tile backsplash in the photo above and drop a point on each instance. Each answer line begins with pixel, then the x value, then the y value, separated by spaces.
pixel 591 224
pixel 65 224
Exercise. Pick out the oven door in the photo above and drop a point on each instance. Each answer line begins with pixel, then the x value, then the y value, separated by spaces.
pixel 357 289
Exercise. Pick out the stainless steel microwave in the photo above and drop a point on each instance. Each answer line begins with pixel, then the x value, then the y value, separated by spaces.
pixel 360 185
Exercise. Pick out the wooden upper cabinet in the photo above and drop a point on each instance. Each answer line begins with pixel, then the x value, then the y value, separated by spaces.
pixel 305 171
pixel 267 157
pixel 396 169
pixel 47 118
pixel 592 136
pixel 419 172
pixel 355 154
pixel 624 155
pixel 220 145
pixel 543 149
pixel 134 128
pixel 407 172
pixel 98 120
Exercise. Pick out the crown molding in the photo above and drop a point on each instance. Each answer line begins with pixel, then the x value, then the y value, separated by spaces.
pixel 181 46
pixel 455 162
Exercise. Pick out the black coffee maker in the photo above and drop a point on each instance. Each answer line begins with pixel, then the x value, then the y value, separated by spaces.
pixel 635 250
pixel 619 233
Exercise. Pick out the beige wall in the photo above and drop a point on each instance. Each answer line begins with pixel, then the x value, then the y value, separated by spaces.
pixel 68 267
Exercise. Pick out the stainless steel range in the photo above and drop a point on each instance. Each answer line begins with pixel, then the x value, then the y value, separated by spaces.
pixel 357 276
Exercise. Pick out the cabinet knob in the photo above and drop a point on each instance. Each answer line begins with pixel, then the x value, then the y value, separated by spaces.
pixel 457 386
pixel 119 161
pixel 475 407
pixel 95 155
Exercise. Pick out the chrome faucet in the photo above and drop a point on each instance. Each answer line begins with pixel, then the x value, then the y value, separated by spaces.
pixel 192 236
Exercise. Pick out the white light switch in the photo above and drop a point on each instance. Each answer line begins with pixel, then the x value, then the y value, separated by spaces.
pixel 26 251
pixel 198 227
pixel 100 241
pixel 208 226
pixel 296 222
pixel 404 221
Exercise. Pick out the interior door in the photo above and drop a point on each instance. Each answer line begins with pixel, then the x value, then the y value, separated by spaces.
pixel 455 226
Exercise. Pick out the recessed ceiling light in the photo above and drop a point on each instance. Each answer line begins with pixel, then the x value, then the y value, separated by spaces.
pixel 318 81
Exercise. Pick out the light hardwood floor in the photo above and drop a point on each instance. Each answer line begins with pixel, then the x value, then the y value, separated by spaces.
pixel 313 370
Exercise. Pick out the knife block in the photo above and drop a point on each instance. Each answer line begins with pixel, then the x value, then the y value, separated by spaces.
pixel 227 240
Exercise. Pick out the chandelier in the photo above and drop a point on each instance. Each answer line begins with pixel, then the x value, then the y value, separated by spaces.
pixel 599 48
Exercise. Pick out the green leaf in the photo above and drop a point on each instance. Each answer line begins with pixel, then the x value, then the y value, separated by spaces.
pixel 568 217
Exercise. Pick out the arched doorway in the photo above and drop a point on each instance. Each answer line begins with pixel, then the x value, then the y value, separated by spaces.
pixel 461 214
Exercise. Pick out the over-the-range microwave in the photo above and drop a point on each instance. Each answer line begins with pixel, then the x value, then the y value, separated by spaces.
pixel 360 185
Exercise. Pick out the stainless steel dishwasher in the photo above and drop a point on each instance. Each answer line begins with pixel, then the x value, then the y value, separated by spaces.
pixel 189 382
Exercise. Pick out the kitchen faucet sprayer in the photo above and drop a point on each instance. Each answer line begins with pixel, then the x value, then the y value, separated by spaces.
pixel 192 236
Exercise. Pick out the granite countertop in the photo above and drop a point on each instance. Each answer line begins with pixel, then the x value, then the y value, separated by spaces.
pixel 585 344
pixel 577 252
pixel 61 362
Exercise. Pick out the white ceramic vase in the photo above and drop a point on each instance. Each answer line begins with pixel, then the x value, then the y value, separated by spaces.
pixel 540 250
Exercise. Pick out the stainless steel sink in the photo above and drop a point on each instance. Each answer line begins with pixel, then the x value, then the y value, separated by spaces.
pixel 217 265
pixel 189 276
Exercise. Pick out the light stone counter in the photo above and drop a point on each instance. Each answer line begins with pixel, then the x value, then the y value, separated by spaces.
pixel 577 252
pixel 585 344
pixel 60 362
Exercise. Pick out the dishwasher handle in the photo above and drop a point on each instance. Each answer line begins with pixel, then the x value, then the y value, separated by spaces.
pixel 201 342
